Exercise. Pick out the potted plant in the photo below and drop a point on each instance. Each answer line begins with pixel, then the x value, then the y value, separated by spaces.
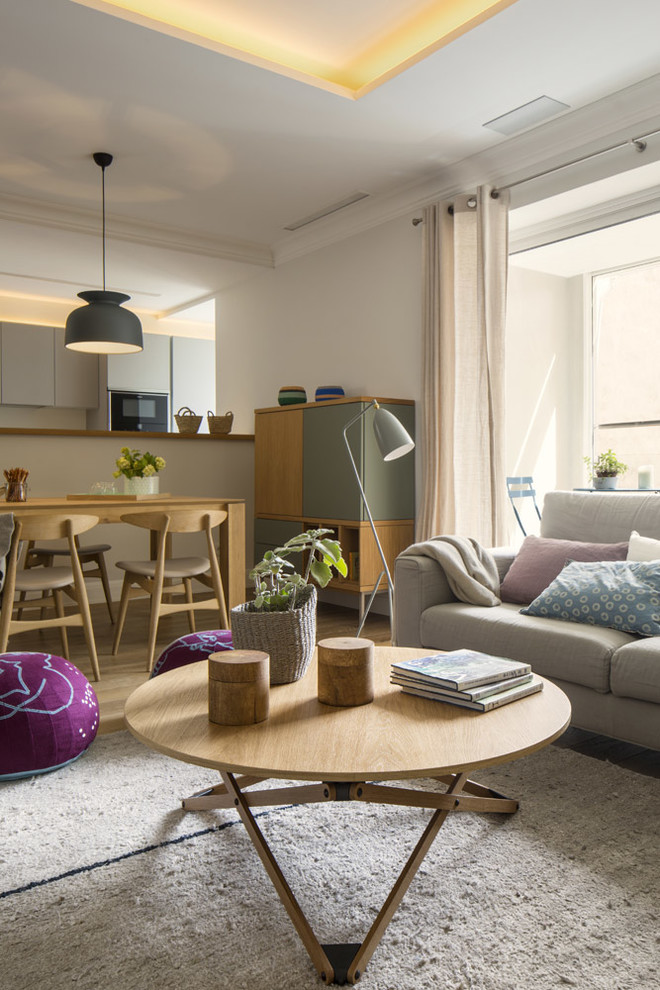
pixel 281 620
pixel 139 471
pixel 604 471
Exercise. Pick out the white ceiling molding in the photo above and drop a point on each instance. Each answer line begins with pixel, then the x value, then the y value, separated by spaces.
pixel 596 217
pixel 550 145
pixel 21 209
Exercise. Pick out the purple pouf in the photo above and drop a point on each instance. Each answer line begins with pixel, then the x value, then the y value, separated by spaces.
pixel 49 713
pixel 192 647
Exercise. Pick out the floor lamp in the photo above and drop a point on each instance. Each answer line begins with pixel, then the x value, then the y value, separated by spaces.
pixel 393 442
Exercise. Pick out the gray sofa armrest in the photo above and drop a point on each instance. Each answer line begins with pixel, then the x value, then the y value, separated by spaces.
pixel 419 582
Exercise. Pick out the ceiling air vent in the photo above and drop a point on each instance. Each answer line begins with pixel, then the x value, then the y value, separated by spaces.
pixel 528 115
pixel 327 210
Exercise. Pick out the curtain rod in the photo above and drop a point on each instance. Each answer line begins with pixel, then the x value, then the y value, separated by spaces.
pixel 638 143
pixel 471 203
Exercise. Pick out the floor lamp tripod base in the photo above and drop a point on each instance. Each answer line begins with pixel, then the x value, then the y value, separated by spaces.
pixel 369 603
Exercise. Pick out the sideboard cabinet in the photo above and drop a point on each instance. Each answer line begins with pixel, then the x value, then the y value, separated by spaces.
pixel 304 479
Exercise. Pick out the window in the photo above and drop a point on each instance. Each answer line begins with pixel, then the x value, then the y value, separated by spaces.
pixel 626 368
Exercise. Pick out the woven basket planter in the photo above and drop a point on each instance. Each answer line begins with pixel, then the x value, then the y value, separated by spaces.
pixel 288 638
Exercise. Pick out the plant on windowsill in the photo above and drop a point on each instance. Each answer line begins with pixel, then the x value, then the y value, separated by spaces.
pixel 604 471
pixel 139 471
pixel 281 620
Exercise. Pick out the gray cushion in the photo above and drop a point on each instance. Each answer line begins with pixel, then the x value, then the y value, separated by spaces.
pixel 635 671
pixel 555 649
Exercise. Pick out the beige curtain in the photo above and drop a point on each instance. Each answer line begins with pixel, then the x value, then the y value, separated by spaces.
pixel 463 456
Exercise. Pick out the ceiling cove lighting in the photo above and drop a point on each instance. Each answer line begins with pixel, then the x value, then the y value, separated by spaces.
pixel 102 327
pixel 346 49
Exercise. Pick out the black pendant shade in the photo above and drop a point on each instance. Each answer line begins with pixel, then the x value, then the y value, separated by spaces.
pixel 102 327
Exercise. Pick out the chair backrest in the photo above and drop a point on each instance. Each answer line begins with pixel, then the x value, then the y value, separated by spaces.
pixel 521 487
pixel 51 525
pixel 44 526
pixel 177 521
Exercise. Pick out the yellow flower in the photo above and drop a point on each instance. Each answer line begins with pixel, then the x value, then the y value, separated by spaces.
pixel 160 463
pixel 148 470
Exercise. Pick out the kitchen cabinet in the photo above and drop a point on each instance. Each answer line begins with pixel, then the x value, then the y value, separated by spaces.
pixel 304 479
pixel 36 369
pixel 76 376
pixel 28 365
pixel 146 371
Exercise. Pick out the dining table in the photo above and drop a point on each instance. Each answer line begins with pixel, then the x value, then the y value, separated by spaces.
pixel 111 508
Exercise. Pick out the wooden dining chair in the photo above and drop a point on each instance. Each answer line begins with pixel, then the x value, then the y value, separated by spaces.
pixel 164 576
pixel 44 556
pixel 47 583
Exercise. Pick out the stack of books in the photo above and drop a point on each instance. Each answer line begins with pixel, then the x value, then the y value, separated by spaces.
pixel 466 678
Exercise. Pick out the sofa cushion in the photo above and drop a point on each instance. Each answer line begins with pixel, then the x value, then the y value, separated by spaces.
pixel 618 594
pixel 635 671
pixel 539 561
pixel 643 547
pixel 566 651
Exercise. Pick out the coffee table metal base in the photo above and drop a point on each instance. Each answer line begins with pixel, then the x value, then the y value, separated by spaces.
pixel 346 962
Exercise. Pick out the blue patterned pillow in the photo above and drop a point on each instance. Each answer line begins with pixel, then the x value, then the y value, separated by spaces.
pixel 619 594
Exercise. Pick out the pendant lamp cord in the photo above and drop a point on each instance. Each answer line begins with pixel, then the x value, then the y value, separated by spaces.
pixel 103 215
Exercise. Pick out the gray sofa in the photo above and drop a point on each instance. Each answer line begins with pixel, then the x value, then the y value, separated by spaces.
pixel 612 678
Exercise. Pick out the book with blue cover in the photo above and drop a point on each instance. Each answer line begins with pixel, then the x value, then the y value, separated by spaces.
pixel 461 670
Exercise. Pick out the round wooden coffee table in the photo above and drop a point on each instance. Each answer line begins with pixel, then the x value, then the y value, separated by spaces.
pixel 395 737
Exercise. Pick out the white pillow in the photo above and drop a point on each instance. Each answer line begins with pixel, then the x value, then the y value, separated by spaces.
pixel 643 547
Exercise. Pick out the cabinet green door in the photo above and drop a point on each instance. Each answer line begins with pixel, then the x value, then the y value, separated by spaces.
pixel 330 490
pixel 389 485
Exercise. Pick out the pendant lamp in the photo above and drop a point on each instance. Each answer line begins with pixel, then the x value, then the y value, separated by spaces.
pixel 102 327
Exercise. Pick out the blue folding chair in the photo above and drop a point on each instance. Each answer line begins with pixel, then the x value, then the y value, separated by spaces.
pixel 521 488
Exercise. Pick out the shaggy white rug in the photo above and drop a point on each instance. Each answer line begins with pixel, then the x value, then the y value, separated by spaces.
pixel 106 884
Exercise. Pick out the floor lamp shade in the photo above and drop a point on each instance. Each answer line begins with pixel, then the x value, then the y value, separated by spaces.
pixel 102 326
pixel 391 436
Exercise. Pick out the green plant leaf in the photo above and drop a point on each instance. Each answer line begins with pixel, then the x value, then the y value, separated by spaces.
pixel 321 573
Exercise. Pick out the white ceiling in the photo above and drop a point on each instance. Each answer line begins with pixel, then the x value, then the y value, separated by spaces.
pixel 215 156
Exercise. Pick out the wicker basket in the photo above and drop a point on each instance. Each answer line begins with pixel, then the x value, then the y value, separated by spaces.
pixel 288 638
pixel 187 421
pixel 220 424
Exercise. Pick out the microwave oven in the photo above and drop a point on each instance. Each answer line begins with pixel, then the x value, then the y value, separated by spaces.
pixel 146 412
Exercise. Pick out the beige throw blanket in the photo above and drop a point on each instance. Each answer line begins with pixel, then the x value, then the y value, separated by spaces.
pixel 470 569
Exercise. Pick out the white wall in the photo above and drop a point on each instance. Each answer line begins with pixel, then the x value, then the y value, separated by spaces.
pixel 544 380
pixel 348 314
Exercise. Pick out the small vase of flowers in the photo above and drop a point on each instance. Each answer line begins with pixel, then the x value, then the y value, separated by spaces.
pixel 139 471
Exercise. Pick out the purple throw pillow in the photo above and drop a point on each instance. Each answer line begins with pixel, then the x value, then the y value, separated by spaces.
pixel 540 560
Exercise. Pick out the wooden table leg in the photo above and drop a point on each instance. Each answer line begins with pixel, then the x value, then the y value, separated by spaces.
pixel 232 554
pixel 302 926
pixel 345 962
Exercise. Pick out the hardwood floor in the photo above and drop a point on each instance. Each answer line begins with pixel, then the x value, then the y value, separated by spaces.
pixel 120 675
